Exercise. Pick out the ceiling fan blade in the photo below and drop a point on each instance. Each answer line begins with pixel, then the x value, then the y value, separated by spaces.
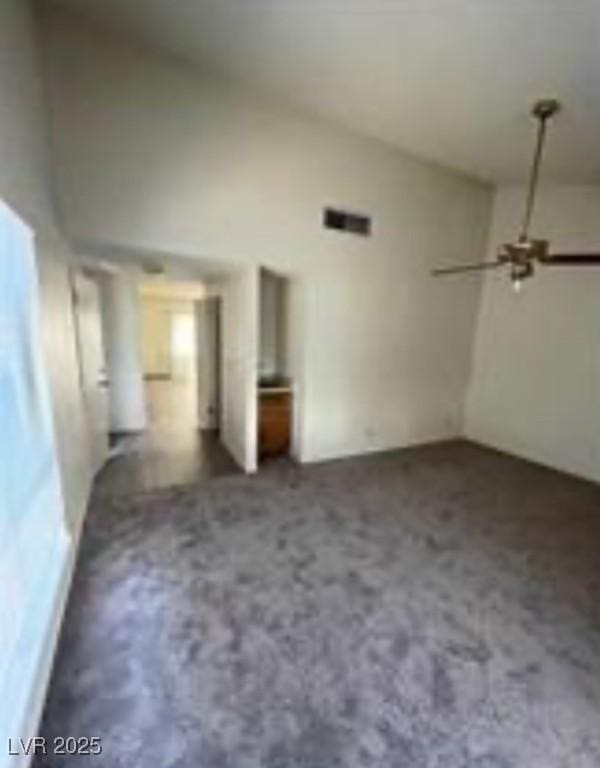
pixel 466 268
pixel 573 259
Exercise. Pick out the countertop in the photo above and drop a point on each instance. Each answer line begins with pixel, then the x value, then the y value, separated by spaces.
pixel 276 387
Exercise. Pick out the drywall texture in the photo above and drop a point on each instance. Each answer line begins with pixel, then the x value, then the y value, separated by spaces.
pixel 535 389
pixel 274 324
pixel 31 507
pixel 151 154
pixel 24 186
pixel 240 331
pixel 273 318
pixel 208 330
pixel 123 344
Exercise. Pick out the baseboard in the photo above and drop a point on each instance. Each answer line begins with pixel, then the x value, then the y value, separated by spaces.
pixel 26 723
pixel 533 456
pixel 38 698
pixel 386 446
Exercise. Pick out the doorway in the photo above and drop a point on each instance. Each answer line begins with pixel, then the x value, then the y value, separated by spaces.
pixel 276 384
pixel 180 357
pixel 92 362
pixel 179 368
pixel 162 346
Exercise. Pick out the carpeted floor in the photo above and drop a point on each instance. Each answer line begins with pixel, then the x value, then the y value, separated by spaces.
pixel 431 608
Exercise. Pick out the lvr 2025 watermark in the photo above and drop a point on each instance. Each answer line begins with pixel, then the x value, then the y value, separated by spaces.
pixel 61 745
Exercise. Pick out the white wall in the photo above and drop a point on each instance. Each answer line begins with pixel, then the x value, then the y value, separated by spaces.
pixel 123 346
pixel 169 160
pixel 32 526
pixel 239 296
pixel 208 333
pixel 535 389
pixel 273 320
pixel 25 186
pixel 92 357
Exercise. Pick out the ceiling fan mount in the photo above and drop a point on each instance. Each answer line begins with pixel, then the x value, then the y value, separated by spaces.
pixel 545 108
pixel 523 254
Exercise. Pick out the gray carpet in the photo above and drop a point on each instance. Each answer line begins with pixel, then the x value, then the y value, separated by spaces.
pixel 431 608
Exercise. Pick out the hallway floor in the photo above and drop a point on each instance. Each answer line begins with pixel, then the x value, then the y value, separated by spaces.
pixel 172 451
pixel 437 607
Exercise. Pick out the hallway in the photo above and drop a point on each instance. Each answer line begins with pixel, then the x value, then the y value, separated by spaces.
pixel 172 451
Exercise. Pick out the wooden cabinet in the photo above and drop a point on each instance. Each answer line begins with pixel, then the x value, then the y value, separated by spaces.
pixel 274 423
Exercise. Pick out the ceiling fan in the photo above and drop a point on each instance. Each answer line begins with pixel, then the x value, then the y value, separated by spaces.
pixel 525 252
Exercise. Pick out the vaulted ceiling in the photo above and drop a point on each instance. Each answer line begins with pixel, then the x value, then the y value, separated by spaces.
pixel 449 80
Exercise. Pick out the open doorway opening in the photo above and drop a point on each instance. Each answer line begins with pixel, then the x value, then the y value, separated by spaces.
pixel 179 324
pixel 162 347
pixel 170 356
pixel 91 355
pixel 182 362
pixel 276 406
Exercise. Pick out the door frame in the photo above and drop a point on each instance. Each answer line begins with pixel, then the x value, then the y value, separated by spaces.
pixel 99 439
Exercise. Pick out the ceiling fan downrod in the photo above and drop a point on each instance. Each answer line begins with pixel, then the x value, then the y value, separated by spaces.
pixel 543 110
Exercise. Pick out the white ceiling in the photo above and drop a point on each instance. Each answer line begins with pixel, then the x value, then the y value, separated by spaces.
pixel 193 267
pixel 450 80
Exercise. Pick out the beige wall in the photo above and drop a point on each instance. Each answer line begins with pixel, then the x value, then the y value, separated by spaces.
pixel 535 389
pixel 156 336
pixel 151 154
pixel 158 314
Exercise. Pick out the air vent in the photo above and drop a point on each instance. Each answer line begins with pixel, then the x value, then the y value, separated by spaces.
pixel 344 221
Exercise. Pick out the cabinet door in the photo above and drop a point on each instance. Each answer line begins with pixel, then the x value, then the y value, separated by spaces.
pixel 274 433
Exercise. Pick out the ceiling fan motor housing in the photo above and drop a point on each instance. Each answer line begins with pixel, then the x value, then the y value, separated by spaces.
pixel 528 249
pixel 522 255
